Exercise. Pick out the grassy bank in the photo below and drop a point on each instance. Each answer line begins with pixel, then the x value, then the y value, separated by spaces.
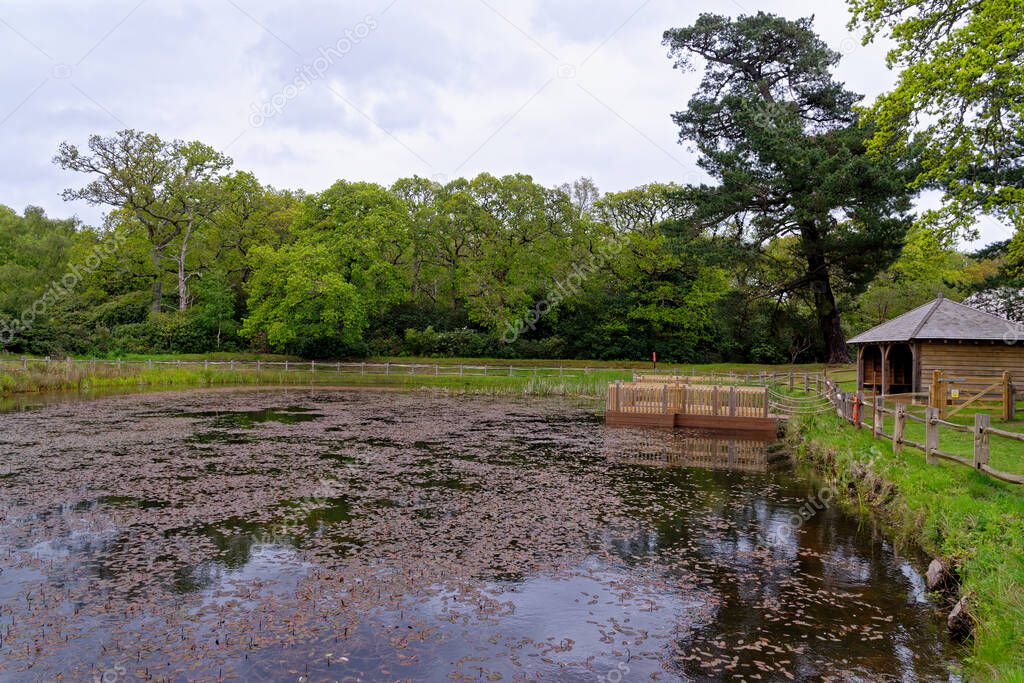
pixel 86 377
pixel 482 375
pixel 949 510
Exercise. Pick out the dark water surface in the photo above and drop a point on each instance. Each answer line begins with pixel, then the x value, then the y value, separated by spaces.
pixel 353 535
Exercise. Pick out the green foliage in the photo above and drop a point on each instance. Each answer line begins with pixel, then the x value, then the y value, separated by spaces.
pixel 959 97
pixel 781 138
pixel 317 295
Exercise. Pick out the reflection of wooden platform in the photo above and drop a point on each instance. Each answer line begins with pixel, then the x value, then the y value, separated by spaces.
pixel 766 427
pixel 673 404
pixel 708 452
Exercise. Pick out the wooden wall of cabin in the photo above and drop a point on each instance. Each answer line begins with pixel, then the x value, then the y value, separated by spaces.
pixel 971 359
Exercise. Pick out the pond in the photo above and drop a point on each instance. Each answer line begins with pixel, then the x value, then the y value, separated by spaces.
pixel 309 534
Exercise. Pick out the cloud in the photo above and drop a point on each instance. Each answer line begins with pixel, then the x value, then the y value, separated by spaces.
pixel 454 87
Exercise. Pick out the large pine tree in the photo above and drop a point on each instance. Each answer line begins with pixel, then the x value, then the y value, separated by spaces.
pixel 781 137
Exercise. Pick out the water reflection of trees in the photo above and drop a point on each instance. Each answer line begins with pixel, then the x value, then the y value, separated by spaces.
pixel 830 591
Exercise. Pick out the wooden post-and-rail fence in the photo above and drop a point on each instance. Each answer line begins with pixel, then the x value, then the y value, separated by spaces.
pixel 855 407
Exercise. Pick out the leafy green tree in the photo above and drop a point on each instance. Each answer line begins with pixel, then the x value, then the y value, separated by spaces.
pixel 167 188
pixel 318 294
pixel 780 136
pixel 34 258
pixel 959 96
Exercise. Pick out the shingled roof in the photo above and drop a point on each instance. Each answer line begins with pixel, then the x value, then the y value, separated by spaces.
pixel 943 319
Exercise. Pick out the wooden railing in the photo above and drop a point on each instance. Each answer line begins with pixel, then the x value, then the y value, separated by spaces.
pixel 863 411
pixel 651 397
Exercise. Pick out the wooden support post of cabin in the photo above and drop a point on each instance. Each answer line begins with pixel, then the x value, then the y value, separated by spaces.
pixel 1008 398
pixel 877 416
pixel 931 435
pixel 982 421
pixel 886 379
pixel 860 367
pixel 898 427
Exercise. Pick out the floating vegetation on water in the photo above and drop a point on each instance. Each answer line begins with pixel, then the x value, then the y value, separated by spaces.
pixel 418 536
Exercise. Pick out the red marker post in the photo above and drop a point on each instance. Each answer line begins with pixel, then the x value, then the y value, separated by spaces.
pixel 654 359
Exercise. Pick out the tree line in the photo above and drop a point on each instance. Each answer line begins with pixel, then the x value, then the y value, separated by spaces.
pixel 804 234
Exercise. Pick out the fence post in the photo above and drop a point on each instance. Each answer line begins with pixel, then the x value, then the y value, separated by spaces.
pixel 898 427
pixel 732 401
pixel 766 401
pixel 510 371
pixel 878 416
pixel 24 363
pixel 437 370
pixel 206 364
pixel 286 366
pixel 791 380
pixel 982 421
pixel 1013 401
pixel 618 386
pixel 150 363
pixel 931 435
pixel 664 399
pixel 858 409
pixel 387 368
pixel 460 369
pixel 259 363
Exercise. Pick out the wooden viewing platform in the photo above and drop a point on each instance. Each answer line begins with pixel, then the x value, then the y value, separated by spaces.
pixel 670 404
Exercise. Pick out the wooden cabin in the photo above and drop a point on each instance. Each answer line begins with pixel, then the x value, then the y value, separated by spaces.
pixel 901 355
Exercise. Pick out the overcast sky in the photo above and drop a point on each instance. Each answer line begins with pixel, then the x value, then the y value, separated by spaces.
pixel 306 94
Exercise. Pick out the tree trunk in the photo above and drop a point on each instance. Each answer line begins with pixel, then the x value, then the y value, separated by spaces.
pixel 825 307
pixel 158 282
pixel 829 321
pixel 182 288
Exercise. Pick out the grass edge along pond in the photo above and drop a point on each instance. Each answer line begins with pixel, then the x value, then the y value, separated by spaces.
pixel 950 512
pixel 529 377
